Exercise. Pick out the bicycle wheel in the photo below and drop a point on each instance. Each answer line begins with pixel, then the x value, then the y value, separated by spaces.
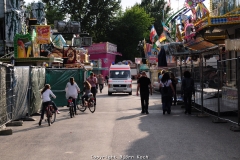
pixel 73 110
pixel 70 110
pixel 49 117
pixel 91 107
pixel 53 117
pixel 80 106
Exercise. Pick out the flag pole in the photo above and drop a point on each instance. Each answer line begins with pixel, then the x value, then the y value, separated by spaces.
pixel 163 15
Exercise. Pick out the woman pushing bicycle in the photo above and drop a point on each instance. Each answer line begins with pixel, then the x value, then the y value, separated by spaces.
pixel 46 100
pixel 72 90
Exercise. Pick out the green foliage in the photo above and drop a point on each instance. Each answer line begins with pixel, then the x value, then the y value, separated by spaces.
pixel 155 8
pixel 53 11
pixel 127 30
pixel 105 21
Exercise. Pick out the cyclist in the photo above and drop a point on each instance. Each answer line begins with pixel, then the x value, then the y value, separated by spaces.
pixel 93 81
pixel 86 90
pixel 45 95
pixel 72 90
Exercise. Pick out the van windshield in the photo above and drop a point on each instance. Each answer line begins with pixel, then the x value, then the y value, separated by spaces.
pixel 120 74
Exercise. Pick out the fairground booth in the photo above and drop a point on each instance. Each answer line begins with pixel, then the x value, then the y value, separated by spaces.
pixel 33 54
pixel 102 55
pixel 208 46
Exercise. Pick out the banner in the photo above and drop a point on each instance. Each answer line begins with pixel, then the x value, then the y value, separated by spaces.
pixel 152 59
pixel 43 34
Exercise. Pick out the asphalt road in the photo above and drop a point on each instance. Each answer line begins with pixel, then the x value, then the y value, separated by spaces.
pixel 117 130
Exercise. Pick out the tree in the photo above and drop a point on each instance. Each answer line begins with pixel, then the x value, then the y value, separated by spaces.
pixel 53 11
pixel 127 30
pixel 158 10
pixel 94 15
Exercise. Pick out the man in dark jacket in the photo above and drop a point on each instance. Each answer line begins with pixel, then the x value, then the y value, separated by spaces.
pixel 187 91
pixel 144 84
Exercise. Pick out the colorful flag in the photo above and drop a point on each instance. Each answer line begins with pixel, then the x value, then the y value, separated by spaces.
pixel 153 34
pixel 165 28
pixel 157 43
pixel 162 37
pixel 169 3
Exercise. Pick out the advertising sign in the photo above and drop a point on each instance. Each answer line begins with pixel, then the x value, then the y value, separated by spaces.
pixel 152 59
pixel 221 7
pixel 43 34
pixel 138 60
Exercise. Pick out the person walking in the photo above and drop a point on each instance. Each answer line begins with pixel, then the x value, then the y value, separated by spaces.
pixel 93 81
pixel 144 84
pixel 174 83
pixel 188 90
pixel 72 90
pixel 100 82
pixel 106 80
pixel 167 91
pixel 96 76
pixel 161 75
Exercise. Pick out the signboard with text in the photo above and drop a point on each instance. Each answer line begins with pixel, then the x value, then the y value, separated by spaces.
pixel 43 34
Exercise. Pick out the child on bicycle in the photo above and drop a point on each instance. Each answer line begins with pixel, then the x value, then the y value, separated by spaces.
pixel 86 90
pixel 46 99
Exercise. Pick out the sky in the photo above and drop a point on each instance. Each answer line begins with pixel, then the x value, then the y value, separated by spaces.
pixel 175 4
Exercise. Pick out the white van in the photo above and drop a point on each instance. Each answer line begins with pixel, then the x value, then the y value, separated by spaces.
pixel 120 79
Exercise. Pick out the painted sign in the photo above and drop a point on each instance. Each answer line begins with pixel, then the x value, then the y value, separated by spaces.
pixel 97 48
pixel 111 47
pixel 154 52
pixel 152 59
pixel 43 34
pixel 138 60
pixel 221 7
pixel 105 47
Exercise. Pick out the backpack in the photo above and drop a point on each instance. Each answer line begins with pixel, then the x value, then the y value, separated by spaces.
pixel 166 90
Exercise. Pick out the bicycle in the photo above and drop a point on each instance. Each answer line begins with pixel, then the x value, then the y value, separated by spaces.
pixel 88 103
pixel 71 107
pixel 50 114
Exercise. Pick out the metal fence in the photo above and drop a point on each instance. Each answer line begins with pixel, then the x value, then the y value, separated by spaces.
pixel 216 86
pixel 6 93
pixel 20 91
